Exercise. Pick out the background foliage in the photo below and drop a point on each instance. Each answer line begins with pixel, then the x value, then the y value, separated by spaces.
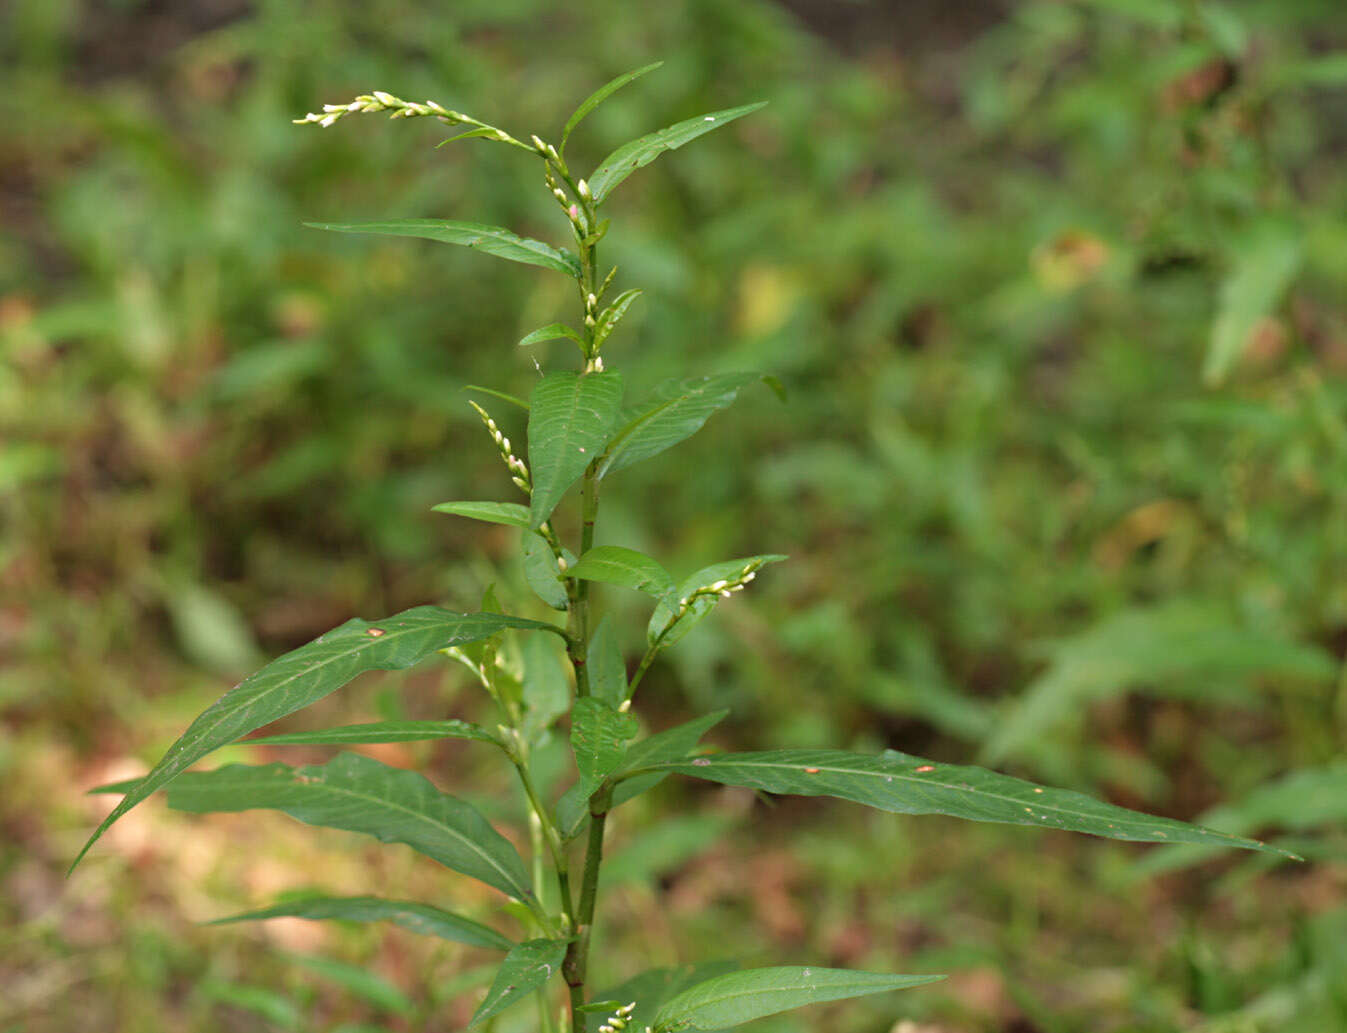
pixel 1057 291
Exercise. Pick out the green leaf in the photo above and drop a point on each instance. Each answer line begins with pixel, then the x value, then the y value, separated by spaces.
pixel 1266 260
pixel 676 411
pixel 598 97
pixel 276 1008
pixel 360 794
pixel 607 669
pixel 551 332
pixel 617 565
pixel 378 732
pixel 739 997
pixel 307 674
pixel 416 917
pixel 1167 648
pixel 702 605
pixel 599 734
pixel 541 571
pixel 909 785
pixel 502 395
pixel 360 981
pixel 471 134
pixel 547 691
pixel 509 513
pixel 493 240
pixel 639 153
pixel 651 988
pixel 612 315
pixel 571 418
pixel 672 744
pixel 527 967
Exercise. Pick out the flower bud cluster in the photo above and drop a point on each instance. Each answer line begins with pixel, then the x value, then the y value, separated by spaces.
pixel 368 103
pixel 371 103
pixel 620 1019
pixel 519 472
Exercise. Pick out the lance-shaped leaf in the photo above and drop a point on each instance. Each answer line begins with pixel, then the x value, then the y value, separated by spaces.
pixel 738 997
pixel 675 412
pixel 307 674
pixel 607 669
pixel 416 917
pixel 379 732
pixel 527 967
pixel 541 570
pixel 492 240
pixel 909 785
pixel 599 734
pixel 571 419
pixel 639 153
pixel 509 513
pixel 612 315
pixel 360 794
pixel 551 332
pixel 1267 260
pixel 617 565
pixel 598 97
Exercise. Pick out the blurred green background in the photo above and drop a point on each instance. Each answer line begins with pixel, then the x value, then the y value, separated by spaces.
pixel 1059 292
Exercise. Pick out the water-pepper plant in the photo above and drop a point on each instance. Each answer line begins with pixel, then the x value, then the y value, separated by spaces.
pixel 582 430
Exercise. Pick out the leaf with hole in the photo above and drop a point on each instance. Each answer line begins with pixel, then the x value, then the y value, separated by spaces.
pixel 491 240
pixel 739 997
pixel 307 674
pixel 527 967
pixel 676 411
pixel 598 97
pixel 360 794
pixel 409 914
pixel 639 153
pixel 910 785
pixel 571 419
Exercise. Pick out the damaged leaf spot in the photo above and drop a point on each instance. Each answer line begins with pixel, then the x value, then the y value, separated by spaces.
pixel 925 768
pixel 374 632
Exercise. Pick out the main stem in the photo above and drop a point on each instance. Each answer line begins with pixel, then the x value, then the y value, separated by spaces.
pixel 575 966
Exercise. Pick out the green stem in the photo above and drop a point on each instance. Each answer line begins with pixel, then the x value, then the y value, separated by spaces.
pixel 576 965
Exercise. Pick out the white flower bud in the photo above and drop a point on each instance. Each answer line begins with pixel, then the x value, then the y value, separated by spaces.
pixel 583 187
pixel 589 320
pixel 385 98
pixel 505 444
pixel 561 563
pixel 725 594
pixel 334 107
pixel 538 144
pixel 591 301
pixel 325 122
pixel 355 105
pixel 520 483
pixel 598 363
pixel 719 585
pixel 750 576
